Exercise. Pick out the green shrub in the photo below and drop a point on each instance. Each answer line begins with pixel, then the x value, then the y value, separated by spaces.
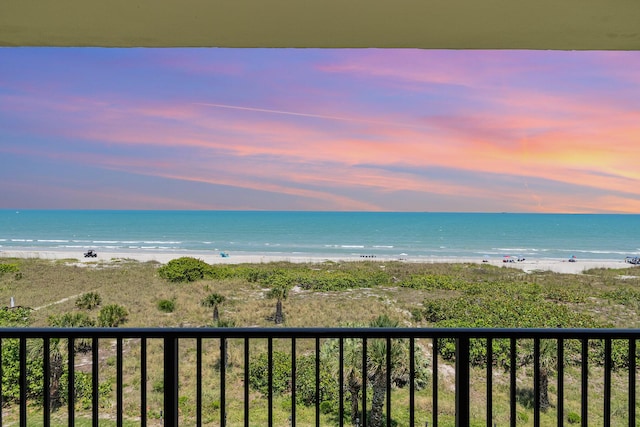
pixel 575 296
pixel 327 407
pixel 432 281
pixel 573 418
pixel 281 373
pixel 224 323
pixel 158 386
pixel 71 320
pixel 500 308
pixel 331 280
pixel 112 315
pixel 9 268
pixel 523 417
pixel 306 382
pixel 83 388
pixel 185 269
pixel 166 305
pixel 625 296
pixel 619 353
pixel 305 377
pixel 17 316
pixel 215 405
pixel 11 377
pixel 89 300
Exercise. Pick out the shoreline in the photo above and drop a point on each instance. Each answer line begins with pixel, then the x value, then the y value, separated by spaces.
pixel 528 265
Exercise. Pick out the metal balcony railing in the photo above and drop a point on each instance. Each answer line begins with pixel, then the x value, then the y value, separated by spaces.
pixel 171 341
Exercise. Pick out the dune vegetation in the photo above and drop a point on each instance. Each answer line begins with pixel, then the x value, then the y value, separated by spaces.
pixel 190 293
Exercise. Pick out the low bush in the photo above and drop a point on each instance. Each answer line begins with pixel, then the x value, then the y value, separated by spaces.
pixel 71 320
pixel 281 373
pixel 305 378
pixel 504 308
pixel 89 300
pixel 17 316
pixel 112 315
pixel 625 296
pixel 573 418
pixel 185 269
pixel 9 268
pixel 166 305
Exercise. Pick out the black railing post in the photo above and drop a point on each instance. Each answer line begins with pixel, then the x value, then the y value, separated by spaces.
pixel 560 365
pixel 341 381
pixel 434 385
pixel 585 383
pixel 607 383
pixel 292 417
pixel 632 382
pixel 23 382
pixel 317 374
pixel 95 383
pixel 388 380
pixel 223 382
pixel 46 386
pixel 462 382
pixel 512 382
pixel 143 382
pixel 246 382
pixel 536 382
pixel 199 382
pixel 71 378
pixel 1 375
pixel 363 414
pixel 270 380
pixel 120 382
pixel 412 382
pixel 170 382
pixel 489 382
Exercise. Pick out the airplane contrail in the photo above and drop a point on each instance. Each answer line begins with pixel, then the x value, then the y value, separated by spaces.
pixel 291 113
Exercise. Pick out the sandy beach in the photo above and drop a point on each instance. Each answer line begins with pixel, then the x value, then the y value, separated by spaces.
pixel 528 265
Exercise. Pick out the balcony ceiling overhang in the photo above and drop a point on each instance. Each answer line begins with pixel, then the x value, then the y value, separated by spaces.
pixel 428 24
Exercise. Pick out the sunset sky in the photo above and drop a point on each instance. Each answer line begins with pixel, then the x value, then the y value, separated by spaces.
pixel 311 129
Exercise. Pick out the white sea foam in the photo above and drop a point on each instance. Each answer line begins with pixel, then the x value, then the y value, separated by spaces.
pixel 424 236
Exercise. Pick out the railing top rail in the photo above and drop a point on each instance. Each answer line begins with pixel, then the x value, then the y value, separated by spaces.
pixel 288 333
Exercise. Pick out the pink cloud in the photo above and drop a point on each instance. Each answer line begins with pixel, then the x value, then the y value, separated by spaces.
pixel 334 147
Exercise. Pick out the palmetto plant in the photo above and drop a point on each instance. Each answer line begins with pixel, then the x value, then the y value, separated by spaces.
pixel 376 368
pixel 56 365
pixel 279 291
pixel 548 361
pixel 213 301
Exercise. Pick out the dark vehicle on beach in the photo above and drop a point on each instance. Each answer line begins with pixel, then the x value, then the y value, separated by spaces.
pixel 90 254
pixel 632 260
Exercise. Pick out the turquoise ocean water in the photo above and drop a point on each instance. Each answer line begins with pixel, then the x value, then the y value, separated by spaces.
pixel 331 234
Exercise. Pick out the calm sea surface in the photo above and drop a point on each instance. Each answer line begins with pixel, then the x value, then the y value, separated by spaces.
pixel 414 235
